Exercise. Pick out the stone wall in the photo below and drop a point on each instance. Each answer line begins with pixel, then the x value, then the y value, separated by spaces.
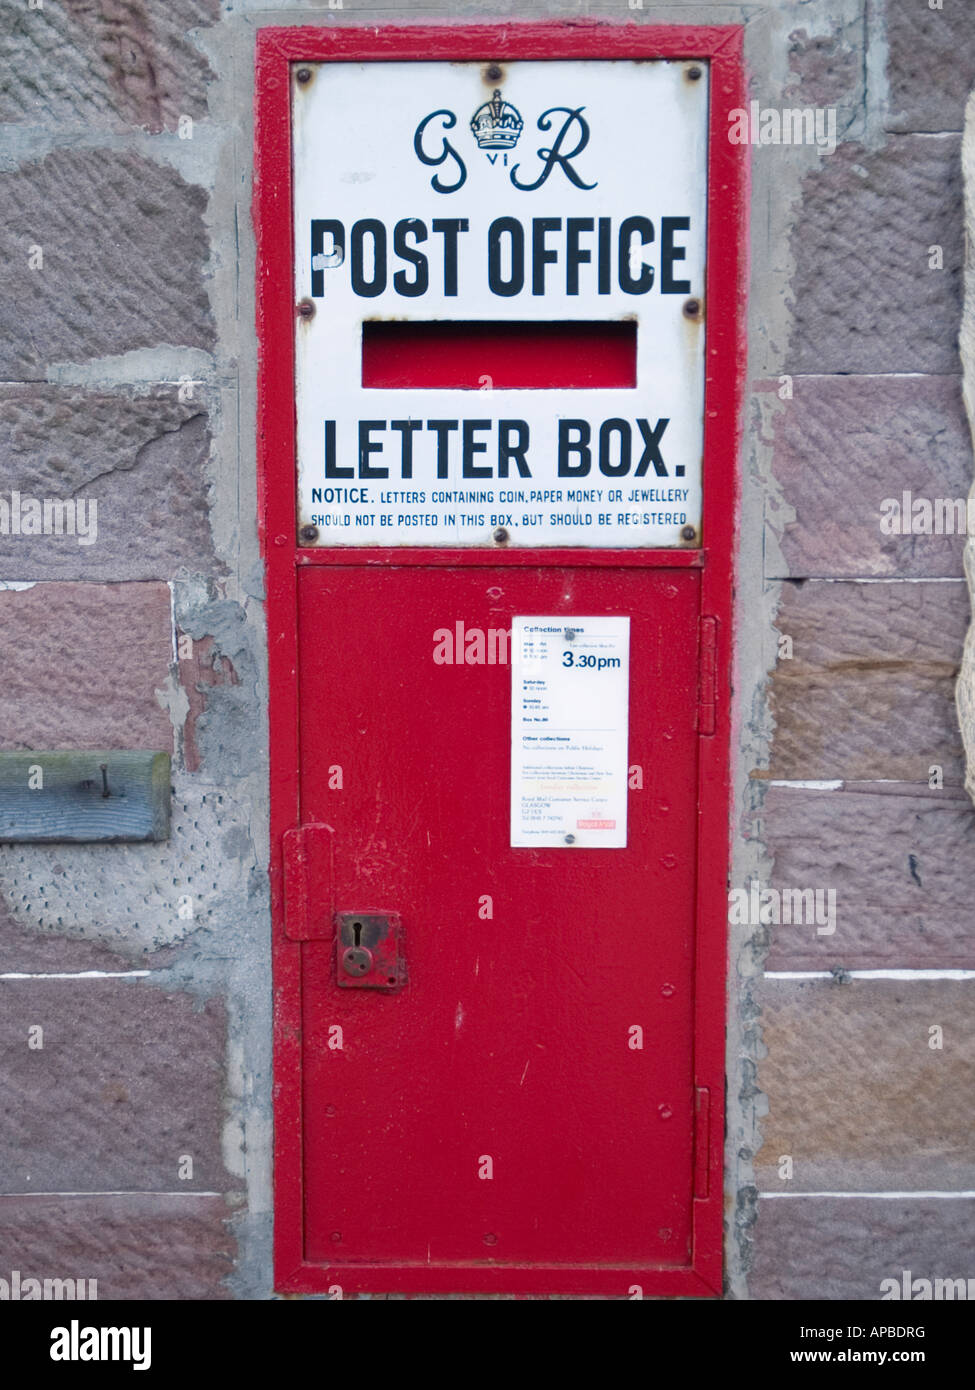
pixel 860 785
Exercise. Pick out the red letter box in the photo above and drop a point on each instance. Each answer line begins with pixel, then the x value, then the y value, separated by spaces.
pixel 499 288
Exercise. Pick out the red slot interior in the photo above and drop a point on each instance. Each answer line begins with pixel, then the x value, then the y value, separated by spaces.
pixel 499 356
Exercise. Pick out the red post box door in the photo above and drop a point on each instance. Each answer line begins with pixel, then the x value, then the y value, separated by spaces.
pixel 516 277
pixel 527 1097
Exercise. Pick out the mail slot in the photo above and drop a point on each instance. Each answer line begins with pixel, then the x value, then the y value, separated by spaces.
pixel 499 306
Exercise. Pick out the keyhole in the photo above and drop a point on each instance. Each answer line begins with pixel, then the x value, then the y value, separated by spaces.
pixel 357 931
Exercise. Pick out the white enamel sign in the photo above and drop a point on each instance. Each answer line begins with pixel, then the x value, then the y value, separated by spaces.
pixel 570 685
pixel 563 192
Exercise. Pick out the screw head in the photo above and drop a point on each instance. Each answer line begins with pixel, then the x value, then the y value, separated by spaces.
pixel 570 839
pixel 306 308
pixel 493 72
pixel 502 535
pixel 694 74
pixel 309 533
pixel 303 74
pixel 688 533
pixel 692 308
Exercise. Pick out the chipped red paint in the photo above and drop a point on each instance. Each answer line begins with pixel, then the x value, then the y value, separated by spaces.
pixel 316 603
pixel 199 672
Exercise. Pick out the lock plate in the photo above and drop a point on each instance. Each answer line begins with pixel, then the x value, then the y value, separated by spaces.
pixel 369 951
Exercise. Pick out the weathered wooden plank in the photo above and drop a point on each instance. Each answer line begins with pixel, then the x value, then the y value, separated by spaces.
pixel 80 796
pixel 868 693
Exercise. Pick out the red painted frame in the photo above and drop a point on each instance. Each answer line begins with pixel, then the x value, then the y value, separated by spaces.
pixel 721 47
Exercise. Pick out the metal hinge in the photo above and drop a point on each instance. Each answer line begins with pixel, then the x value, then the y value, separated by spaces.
pixel 708 676
pixel 308 883
pixel 702 1140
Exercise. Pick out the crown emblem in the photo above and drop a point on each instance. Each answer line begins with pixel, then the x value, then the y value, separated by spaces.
pixel 496 125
